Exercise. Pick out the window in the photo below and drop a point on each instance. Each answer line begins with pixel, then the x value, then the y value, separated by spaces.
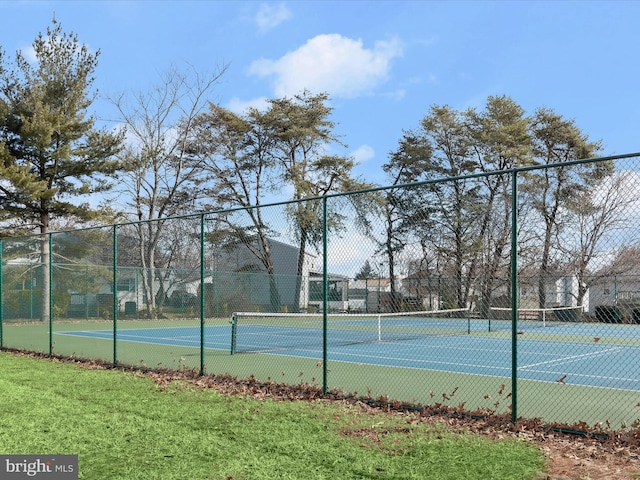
pixel 126 285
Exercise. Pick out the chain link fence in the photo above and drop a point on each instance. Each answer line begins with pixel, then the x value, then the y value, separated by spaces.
pixel 506 292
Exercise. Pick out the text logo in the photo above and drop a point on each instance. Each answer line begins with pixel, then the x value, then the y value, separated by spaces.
pixel 46 467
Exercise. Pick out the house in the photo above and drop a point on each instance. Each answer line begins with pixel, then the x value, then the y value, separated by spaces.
pixel 370 295
pixel 622 291
pixel 338 293
pixel 560 290
pixel 235 279
pixel 426 290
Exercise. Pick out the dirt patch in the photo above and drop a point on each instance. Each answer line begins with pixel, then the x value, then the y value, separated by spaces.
pixel 568 459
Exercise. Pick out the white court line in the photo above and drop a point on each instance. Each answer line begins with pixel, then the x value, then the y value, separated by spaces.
pixel 479 374
pixel 132 337
pixel 405 359
pixel 584 375
pixel 88 333
pixel 571 358
pixel 191 344
pixel 121 335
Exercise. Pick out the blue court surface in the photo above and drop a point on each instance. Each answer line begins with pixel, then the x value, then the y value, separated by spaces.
pixel 590 363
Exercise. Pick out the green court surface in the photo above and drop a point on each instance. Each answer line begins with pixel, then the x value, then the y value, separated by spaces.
pixel 471 371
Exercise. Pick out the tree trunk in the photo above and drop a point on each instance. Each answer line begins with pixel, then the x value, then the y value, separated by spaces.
pixel 544 265
pixel 267 261
pixel 300 269
pixel 45 281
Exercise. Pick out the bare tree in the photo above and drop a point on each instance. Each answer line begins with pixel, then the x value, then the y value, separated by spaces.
pixel 163 181
pixel 594 215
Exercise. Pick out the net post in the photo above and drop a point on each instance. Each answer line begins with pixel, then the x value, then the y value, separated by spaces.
pixel 489 319
pixel 234 330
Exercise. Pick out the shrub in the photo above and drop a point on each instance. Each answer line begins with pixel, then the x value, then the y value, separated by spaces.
pixel 609 314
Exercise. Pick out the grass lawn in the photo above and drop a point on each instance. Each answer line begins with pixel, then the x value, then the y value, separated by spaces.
pixel 124 426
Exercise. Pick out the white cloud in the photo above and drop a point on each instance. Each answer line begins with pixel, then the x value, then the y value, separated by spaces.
pixel 330 63
pixel 29 53
pixel 270 16
pixel 239 106
pixel 396 95
pixel 363 153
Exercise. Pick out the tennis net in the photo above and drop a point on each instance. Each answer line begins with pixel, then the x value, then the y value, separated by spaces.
pixel 534 318
pixel 256 331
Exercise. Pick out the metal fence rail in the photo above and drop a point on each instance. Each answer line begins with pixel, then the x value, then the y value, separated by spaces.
pixel 463 292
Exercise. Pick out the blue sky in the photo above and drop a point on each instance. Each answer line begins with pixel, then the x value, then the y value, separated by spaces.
pixel 383 63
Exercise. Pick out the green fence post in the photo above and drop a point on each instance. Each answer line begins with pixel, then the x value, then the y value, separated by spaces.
pixel 86 292
pixel 325 292
pixel 202 294
pixel 115 294
pixel 1 296
pixel 50 294
pixel 514 296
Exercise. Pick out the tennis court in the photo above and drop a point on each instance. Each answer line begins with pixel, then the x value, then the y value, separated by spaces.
pixel 596 355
